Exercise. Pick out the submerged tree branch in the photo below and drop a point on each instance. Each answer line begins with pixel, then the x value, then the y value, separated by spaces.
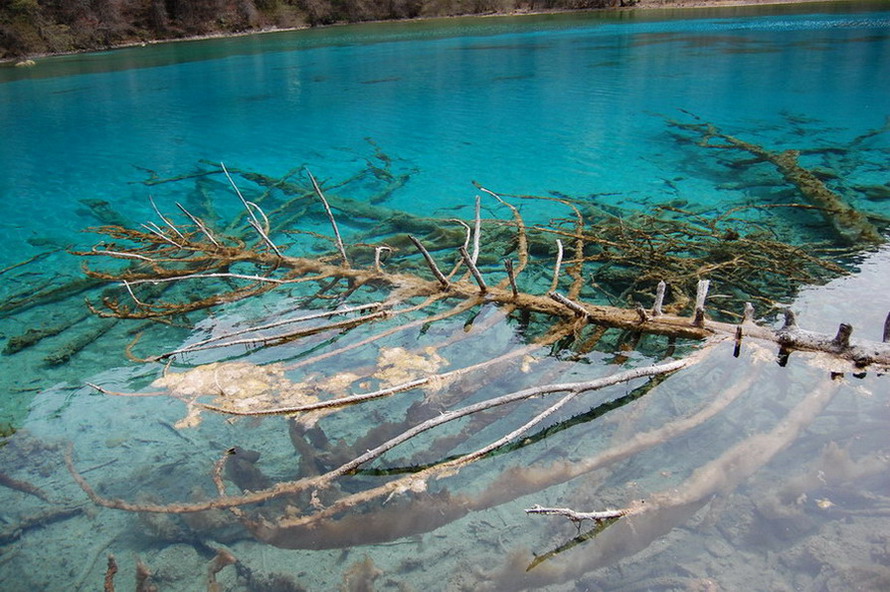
pixel 489 389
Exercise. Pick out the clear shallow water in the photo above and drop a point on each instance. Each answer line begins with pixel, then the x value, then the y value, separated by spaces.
pixel 574 105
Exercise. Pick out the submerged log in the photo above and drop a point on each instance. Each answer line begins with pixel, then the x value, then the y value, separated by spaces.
pixel 67 350
pixel 33 336
pixel 850 225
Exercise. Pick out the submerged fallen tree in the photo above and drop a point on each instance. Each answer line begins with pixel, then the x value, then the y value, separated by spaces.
pixel 850 224
pixel 547 278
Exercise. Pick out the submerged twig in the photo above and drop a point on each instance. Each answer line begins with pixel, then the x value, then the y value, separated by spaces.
pixel 473 269
pixel 576 516
pixel 250 206
pixel 327 209
pixel 199 224
pixel 430 262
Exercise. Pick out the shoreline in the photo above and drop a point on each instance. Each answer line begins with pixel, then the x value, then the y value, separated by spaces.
pixel 642 5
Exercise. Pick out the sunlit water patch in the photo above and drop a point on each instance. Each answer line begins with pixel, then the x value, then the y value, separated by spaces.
pixel 762 476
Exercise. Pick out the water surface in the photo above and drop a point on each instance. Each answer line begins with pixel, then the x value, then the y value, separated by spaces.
pixel 570 105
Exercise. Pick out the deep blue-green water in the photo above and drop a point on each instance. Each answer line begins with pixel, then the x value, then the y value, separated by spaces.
pixel 570 104
pixel 573 105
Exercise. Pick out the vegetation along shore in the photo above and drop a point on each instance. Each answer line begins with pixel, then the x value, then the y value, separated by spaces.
pixel 30 28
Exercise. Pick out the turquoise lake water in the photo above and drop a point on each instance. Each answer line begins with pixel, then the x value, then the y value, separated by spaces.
pixel 576 105
pixel 569 104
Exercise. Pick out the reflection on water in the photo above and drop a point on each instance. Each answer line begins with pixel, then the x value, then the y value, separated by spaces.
pixel 772 480
pixel 740 473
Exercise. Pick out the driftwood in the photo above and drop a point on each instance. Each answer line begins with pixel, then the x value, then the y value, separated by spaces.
pixel 168 264
pixel 548 279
